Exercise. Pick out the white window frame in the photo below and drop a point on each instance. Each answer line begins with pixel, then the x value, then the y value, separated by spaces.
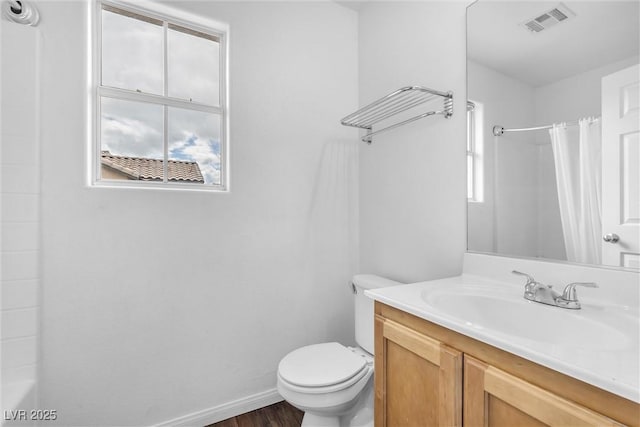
pixel 475 151
pixel 168 16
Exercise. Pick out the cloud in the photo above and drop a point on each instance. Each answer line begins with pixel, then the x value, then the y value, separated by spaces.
pixel 132 53
pixel 195 136
pixel 193 68
pixel 205 152
pixel 131 128
pixel 133 59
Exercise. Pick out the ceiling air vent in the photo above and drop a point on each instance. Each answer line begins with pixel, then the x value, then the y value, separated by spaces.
pixel 548 19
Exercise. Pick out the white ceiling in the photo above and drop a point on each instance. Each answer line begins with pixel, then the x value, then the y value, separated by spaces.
pixel 602 32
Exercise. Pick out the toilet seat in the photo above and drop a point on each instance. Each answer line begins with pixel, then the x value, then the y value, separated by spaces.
pixel 323 368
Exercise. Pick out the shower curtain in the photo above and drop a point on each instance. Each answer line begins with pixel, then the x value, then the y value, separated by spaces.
pixel 577 158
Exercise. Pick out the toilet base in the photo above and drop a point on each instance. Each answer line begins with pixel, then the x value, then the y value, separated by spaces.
pixel 313 420
pixel 364 418
pixel 360 416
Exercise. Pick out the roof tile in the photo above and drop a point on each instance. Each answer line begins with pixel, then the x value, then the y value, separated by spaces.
pixel 145 169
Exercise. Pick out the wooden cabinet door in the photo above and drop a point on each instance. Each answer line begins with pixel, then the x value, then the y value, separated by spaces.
pixel 418 380
pixel 495 398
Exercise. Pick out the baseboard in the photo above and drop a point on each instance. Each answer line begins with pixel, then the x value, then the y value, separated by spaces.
pixel 224 411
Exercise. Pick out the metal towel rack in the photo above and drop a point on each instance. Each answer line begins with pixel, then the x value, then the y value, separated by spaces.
pixel 395 103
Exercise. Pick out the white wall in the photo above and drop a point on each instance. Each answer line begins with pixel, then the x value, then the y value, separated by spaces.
pixel 157 304
pixel 575 97
pixel 20 216
pixel 506 221
pixel 412 179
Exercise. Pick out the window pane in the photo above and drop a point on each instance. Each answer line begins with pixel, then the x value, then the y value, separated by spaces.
pixel 132 52
pixel 194 146
pixel 470 179
pixel 131 140
pixel 470 129
pixel 193 66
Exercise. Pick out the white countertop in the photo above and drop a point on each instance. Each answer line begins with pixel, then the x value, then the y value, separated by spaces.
pixel 573 342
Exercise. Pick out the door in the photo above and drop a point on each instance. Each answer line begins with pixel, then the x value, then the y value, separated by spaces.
pixel 418 380
pixel 620 168
pixel 495 398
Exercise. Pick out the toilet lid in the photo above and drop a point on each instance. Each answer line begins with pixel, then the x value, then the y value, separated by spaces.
pixel 320 365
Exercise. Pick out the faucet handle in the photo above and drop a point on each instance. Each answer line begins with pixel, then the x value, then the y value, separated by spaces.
pixel 530 279
pixel 570 294
pixel 531 286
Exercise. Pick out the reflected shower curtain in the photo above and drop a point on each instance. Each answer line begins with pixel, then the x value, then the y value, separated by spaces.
pixel 577 158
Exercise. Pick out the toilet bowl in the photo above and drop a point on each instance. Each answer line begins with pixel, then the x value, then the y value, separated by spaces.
pixel 326 379
pixel 332 383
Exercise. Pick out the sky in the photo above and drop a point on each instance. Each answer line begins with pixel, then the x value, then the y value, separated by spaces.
pixel 132 58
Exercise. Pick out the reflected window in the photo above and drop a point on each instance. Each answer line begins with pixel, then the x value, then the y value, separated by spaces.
pixel 160 102
pixel 475 188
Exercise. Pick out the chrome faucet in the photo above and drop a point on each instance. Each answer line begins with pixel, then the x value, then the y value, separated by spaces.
pixel 569 298
pixel 544 294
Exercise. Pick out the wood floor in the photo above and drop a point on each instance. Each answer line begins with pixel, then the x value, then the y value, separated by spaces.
pixel 278 415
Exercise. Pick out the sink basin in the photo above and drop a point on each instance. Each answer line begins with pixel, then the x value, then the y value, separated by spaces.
pixel 503 311
pixel 597 344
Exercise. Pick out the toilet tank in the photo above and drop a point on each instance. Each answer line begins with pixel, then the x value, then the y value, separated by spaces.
pixel 364 307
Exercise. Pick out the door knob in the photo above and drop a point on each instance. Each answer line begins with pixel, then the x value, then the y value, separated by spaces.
pixel 611 238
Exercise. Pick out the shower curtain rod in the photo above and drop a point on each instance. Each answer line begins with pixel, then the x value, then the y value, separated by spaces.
pixel 21 12
pixel 15 4
pixel 499 130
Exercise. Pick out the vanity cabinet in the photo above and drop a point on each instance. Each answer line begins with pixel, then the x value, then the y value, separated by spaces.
pixel 427 375
pixel 421 381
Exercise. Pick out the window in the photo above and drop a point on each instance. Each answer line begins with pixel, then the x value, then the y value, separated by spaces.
pixel 161 95
pixel 474 152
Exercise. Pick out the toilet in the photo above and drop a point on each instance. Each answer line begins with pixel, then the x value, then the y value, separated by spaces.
pixel 333 383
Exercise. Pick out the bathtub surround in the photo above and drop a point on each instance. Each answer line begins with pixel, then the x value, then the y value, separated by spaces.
pixel 20 217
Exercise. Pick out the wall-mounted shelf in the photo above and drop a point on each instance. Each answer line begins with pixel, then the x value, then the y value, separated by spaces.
pixel 395 103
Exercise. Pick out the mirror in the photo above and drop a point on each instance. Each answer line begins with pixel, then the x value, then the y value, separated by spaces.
pixel 569 192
